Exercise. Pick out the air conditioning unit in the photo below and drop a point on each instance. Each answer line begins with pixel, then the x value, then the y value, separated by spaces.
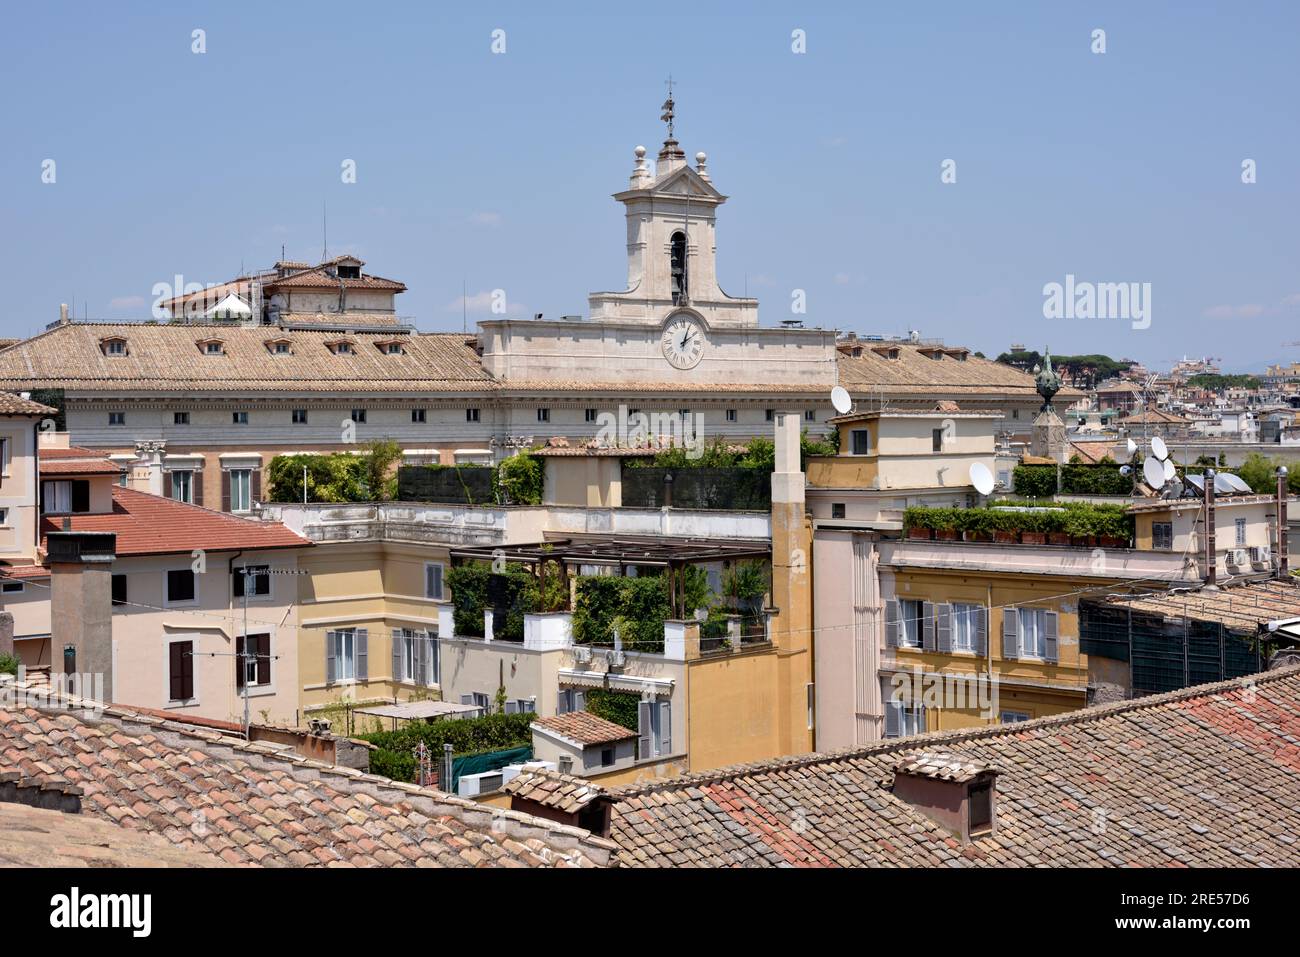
pixel 617 659
pixel 582 654
pixel 474 785
pixel 318 725
pixel 1261 556
pixel 1238 557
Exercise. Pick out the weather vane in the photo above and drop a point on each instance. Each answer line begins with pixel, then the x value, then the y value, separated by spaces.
pixel 667 116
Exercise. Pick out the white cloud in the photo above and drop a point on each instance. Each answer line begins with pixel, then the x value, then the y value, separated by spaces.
pixel 1244 311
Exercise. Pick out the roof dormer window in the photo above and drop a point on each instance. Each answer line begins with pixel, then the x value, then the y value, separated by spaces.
pixel 113 346
pixel 349 272
pixel 391 347
pixel 279 347
pixel 341 347
pixel 211 347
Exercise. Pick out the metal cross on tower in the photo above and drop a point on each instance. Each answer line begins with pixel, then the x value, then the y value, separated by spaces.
pixel 668 114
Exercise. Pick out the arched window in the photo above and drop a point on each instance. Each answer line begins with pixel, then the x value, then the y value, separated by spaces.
pixel 677 267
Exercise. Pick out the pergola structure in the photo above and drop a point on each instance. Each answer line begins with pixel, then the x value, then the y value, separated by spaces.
pixel 621 552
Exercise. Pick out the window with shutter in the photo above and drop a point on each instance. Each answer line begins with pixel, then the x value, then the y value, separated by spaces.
pixel 363 640
pixel 331 657
pixel 982 631
pixel 181 670
pixel 241 662
pixel 927 625
pixel 433 580
pixel 893 719
pixel 1010 634
pixel 943 626
pixel 665 728
pixel 645 730
pixel 263 659
pixel 180 586
pixel 399 656
pixel 80 495
pixel 891 624
pixel 1049 636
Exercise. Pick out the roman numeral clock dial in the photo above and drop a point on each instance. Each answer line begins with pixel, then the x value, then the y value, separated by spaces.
pixel 683 342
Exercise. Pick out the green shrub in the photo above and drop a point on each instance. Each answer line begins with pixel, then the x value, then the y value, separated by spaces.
pixel 9 665
pixel 470 585
pixel 641 603
pixel 1080 519
pixel 337 477
pixel 620 707
pixel 494 732
pixel 520 479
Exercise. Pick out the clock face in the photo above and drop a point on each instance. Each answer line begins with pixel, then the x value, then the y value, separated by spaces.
pixel 683 342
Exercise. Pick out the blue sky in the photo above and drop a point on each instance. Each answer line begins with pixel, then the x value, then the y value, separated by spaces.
pixel 495 170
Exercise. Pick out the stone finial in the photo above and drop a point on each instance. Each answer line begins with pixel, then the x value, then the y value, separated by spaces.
pixel 642 171
pixel 701 159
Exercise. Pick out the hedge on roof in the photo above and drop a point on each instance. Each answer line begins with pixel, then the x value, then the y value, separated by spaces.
pixel 395 759
pixel 1077 519
pixel 619 707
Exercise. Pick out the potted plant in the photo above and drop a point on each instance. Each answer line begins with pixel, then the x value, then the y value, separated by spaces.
pixel 945 525
pixel 1032 528
pixel 916 522
pixel 975 525
pixel 1005 527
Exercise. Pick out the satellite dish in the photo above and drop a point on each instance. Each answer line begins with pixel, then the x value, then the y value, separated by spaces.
pixel 1159 449
pixel 1170 471
pixel 1132 448
pixel 1222 485
pixel 1238 483
pixel 981 478
pixel 1197 482
pixel 1126 470
pixel 1154 472
pixel 841 400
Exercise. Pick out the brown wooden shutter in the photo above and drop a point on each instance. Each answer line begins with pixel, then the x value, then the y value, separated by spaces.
pixel 196 486
pixel 167 484
pixel 240 664
pixel 225 490
pixel 174 670
pixel 255 486
pixel 263 659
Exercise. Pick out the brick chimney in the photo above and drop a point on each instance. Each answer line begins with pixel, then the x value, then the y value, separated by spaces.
pixel 81 611
pixel 958 794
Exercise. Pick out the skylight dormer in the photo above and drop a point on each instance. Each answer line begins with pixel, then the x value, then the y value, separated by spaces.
pixel 113 345
pixel 280 346
pixel 342 347
pixel 212 347
pixel 391 347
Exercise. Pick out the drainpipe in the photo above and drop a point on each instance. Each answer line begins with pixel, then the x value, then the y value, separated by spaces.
pixel 1283 560
pixel 1211 565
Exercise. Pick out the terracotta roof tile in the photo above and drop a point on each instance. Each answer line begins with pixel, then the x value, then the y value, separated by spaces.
pixel 13 404
pixel 211 781
pixel 152 525
pixel 583 727
pixel 1200 777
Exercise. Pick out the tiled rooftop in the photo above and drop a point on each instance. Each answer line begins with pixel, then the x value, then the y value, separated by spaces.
pixel 1203 777
pixel 245 804
pixel 583 727
pixel 152 525
pixel 563 792
pixel 13 404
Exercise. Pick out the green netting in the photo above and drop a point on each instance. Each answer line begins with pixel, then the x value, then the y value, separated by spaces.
pixel 486 761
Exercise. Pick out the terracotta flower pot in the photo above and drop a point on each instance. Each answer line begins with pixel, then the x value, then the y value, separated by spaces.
pixel 977 536
pixel 945 534
pixel 1109 541
pixel 1058 538
pixel 921 533
pixel 1033 538
pixel 1006 538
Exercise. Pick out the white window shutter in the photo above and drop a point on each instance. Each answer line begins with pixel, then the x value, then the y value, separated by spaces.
pixel 665 728
pixel 398 660
pixel 433 581
pixel 512 707
pixel 579 701
pixel 363 654
pixel 467 699
pixel 892 624
pixel 331 660
pixel 1010 634
pixel 644 730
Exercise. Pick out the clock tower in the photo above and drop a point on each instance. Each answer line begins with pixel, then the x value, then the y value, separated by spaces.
pixel 671 244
